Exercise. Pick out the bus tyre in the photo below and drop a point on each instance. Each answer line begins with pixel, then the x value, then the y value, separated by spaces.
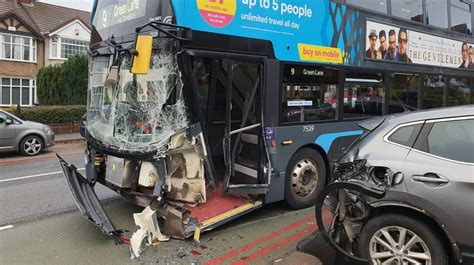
pixel 400 239
pixel 305 177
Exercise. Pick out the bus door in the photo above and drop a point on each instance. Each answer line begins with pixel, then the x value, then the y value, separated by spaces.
pixel 231 93
pixel 245 155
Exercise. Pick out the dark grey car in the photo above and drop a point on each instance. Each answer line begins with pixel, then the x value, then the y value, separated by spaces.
pixel 27 137
pixel 404 192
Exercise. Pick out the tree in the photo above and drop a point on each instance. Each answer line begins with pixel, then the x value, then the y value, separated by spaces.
pixel 49 89
pixel 74 79
pixel 65 84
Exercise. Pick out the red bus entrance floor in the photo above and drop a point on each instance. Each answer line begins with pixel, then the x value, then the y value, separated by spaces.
pixel 217 204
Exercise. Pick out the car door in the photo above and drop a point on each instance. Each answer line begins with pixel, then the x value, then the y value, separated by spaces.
pixel 439 174
pixel 7 133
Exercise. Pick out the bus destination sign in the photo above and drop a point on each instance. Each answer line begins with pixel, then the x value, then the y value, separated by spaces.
pixel 120 12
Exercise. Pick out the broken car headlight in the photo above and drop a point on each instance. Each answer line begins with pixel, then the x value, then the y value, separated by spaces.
pixel 349 168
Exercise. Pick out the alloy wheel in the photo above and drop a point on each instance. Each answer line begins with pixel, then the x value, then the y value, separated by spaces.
pixel 398 245
pixel 32 146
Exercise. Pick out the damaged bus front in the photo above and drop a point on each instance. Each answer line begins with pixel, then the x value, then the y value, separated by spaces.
pixel 142 140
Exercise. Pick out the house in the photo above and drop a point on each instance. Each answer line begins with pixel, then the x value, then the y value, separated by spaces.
pixel 33 35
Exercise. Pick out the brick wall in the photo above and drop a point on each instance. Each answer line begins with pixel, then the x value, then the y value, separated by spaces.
pixel 24 69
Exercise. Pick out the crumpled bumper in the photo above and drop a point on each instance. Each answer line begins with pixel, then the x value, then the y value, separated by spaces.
pixel 87 201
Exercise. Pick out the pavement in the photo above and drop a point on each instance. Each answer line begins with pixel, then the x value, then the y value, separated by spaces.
pixel 68 138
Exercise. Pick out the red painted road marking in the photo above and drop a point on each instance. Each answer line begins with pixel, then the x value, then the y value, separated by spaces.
pixel 235 252
pixel 280 243
pixel 259 241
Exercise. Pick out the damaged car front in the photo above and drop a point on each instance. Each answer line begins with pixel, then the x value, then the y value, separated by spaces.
pixel 360 179
pixel 369 190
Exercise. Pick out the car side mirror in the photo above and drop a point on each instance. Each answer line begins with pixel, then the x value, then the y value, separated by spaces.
pixel 2 120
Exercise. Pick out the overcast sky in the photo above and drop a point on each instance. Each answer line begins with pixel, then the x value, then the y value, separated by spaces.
pixel 85 5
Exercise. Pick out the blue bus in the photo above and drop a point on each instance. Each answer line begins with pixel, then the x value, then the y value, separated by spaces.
pixel 205 110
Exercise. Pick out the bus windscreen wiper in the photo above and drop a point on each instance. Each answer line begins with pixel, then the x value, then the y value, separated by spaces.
pixel 110 43
pixel 171 30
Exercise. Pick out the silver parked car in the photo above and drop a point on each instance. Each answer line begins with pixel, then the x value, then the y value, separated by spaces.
pixel 29 138
pixel 404 192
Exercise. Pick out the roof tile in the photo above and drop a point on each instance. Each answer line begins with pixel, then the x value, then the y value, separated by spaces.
pixel 43 17
pixel 8 7
pixel 50 17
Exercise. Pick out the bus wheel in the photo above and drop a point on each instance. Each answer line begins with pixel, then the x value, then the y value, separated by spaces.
pixel 305 177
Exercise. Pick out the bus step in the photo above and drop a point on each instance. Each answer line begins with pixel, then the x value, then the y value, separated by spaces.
pixel 250 138
pixel 247 189
pixel 229 215
pixel 246 170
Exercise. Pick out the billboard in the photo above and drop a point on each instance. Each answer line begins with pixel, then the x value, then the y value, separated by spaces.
pixel 398 44
pixel 299 30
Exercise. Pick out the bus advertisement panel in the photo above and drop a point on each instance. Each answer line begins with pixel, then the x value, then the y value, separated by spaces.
pixel 312 31
pixel 397 44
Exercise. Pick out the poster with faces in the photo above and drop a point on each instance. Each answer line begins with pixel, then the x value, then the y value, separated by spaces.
pixel 385 40
pixel 408 46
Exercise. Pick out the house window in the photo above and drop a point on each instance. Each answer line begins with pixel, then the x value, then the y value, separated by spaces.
pixel 63 48
pixel 55 47
pixel 70 47
pixel 17 48
pixel 14 91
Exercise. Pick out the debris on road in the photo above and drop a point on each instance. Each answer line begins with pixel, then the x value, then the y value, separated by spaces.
pixel 195 253
pixel 137 243
pixel 6 227
pixel 149 233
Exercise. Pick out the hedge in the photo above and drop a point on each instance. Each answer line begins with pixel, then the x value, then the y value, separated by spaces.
pixel 50 114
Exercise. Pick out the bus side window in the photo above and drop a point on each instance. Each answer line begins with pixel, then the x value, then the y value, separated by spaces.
pixel 309 94
pixel 363 94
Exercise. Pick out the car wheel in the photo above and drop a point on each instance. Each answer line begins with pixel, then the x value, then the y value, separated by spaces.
pixel 399 239
pixel 305 177
pixel 31 145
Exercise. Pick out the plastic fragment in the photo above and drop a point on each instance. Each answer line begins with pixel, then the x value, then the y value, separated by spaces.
pixel 149 233
pixel 137 243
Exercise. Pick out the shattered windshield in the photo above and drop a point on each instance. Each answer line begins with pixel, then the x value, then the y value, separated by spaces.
pixel 137 113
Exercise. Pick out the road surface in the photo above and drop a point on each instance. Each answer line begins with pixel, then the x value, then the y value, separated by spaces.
pixel 40 223
pixel 33 188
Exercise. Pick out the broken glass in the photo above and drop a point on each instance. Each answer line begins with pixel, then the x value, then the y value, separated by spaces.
pixel 137 113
